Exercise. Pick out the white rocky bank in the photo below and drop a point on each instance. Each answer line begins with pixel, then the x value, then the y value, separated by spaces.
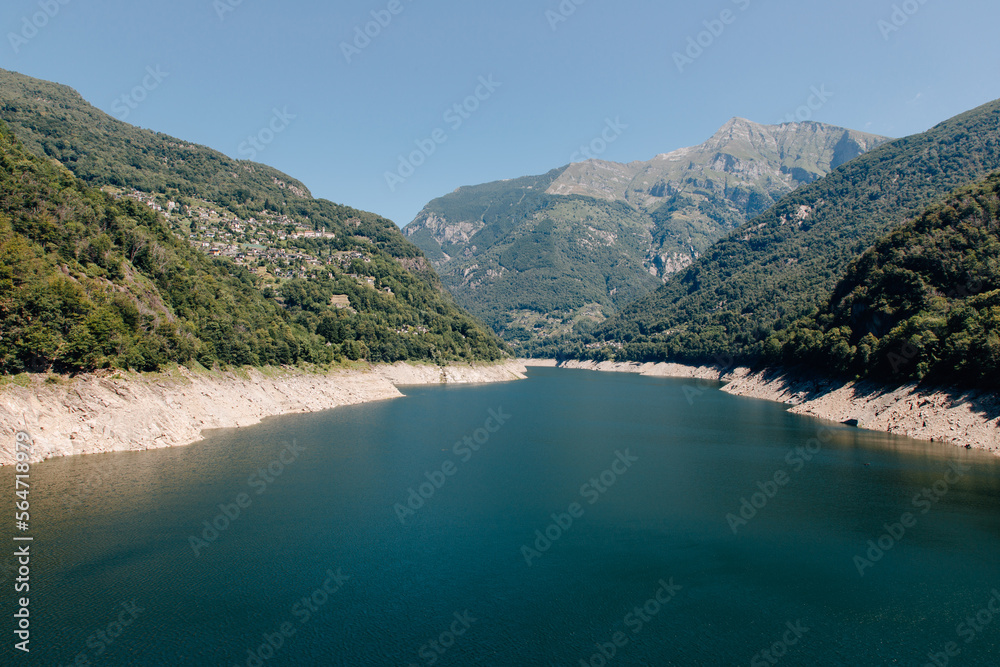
pixel 131 412
pixel 970 419
pixel 965 419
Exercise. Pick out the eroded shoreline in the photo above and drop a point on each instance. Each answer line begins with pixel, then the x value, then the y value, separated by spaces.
pixel 100 413
pixel 131 412
pixel 963 419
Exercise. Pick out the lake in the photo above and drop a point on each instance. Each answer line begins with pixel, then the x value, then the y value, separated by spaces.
pixel 574 518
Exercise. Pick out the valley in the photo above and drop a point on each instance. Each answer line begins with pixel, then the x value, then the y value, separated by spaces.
pixel 540 257
pixel 598 367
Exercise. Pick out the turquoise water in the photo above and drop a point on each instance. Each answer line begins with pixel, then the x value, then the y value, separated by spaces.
pixel 333 561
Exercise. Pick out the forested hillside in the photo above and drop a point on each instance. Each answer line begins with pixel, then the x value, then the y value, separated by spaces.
pixel 88 280
pixel 923 304
pixel 54 121
pixel 779 266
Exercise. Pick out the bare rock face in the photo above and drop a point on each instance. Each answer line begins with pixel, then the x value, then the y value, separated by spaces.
pixel 447 234
pixel 775 159
pixel 131 412
pixel 666 265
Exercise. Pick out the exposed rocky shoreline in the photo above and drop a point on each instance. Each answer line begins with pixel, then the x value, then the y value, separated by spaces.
pixel 649 369
pixel 116 412
pixel 964 419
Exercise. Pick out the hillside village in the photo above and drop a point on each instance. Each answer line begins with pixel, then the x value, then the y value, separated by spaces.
pixel 264 244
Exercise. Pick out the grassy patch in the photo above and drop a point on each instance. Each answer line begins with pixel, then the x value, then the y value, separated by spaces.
pixel 19 380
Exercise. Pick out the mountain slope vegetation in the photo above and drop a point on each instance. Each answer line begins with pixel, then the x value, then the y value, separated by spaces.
pixel 54 121
pixel 923 304
pixel 601 234
pixel 90 280
pixel 87 282
pixel 781 265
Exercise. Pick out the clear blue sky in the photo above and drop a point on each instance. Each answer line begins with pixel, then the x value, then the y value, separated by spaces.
pixel 228 70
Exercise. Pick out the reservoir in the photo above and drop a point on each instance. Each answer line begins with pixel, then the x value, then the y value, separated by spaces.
pixel 574 518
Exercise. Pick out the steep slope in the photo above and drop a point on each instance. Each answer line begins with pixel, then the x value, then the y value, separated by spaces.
pixel 924 303
pixel 88 282
pixel 54 121
pixel 741 154
pixel 785 262
pixel 357 288
pixel 601 233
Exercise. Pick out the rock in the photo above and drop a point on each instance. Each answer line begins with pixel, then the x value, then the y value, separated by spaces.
pixel 648 369
pixel 947 415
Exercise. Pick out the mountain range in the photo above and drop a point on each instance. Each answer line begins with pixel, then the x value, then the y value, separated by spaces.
pixel 798 245
pixel 542 256
pixel 785 263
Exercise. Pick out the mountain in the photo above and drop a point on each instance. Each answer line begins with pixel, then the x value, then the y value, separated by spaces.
pixel 542 255
pixel 922 304
pixel 55 121
pixel 70 299
pixel 779 266
pixel 119 278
